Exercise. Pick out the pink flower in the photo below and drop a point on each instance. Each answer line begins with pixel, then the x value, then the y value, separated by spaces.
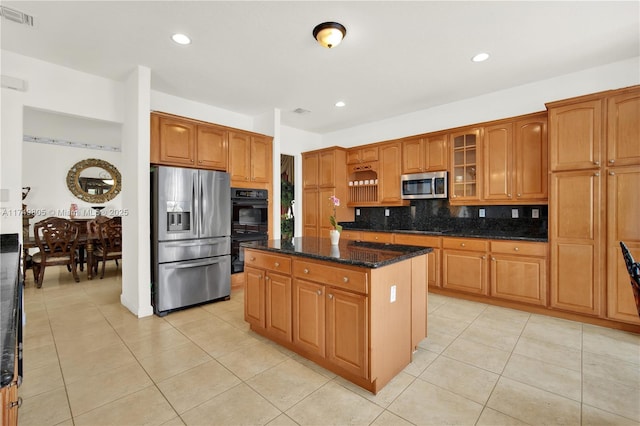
pixel 332 219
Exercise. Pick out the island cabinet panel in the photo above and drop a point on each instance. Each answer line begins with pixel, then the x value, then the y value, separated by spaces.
pixel 254 297
pixel 433 264
pixel 278 305
pixel 348 279
pixel 309 317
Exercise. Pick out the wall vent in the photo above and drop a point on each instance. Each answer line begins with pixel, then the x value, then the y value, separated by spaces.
pixel 301 111
pixel 16 16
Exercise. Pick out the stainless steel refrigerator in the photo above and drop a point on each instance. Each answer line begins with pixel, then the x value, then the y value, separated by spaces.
pixel 191 237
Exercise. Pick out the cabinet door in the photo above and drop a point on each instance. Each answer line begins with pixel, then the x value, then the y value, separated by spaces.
pixel 177 142
pixel 519 278
pixel 212 148
pixel 327 169
pixel 310 170
pixel 623 205
pixel 254 296
pixel 278 305
pixel 310 212
pixel 466 161
pixel 498 162
pixel 412 156
pixel 369 153
pixel 531 159
pixel 261 162
pixel 309 317
pixel 465 271
pixel 575 136
pixel 347 343
pixel 436 150
pixel 623 133
pixel 575 241
pixel 239 156
pixel 390 167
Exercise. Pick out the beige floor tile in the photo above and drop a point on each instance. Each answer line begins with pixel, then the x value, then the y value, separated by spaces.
pixel 437 341
pixel 613 343
pixel 592 416
pixel 38 338
pixel 235 319
pixel 223 341
pixel 554 330
pixel 478 354
pixel 162 365
pixel 496 338
pixel 43 356
pixel 81 365
pixel 491 320
pixel 240 405
pixel 611 369
pixel 334 405
pixel 282 420
pixel 287 383
pixel 186 316
pixel 545 376
pixel 560 355
pixel 461 310
pixel 137 328
pixel 423 403
pixel 420 360
pixel 47 408
pixel 386 395
pixel 176 421
pixel 532 405
pixel 68 422
pixel 193 387
pixel 252 360
pixel 491 417
pixel 144 407
pixel 387 419
pixel 612 396
pixel 41 380
pixel 439 322
pixel 70 347
pixel 462 379
pixel 157 342
pixel 97 390
pixel 313 366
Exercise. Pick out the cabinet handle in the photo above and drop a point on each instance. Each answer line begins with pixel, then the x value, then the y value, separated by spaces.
pixel 516 249
pixel 345 279
pixel 252 258
pixel 462 244
pixel 330 296
pixel 267 278
pixel 612 173
pixel 17 403
pixel 306 271
pixel 597 163
pixel 483 257
pixel 319 292
pixel 200 162
pixel 192 161
pixel 509 195
pixel 612 161
pixel 260 276
pixel 277 264
pixel 519 195
pixel 596 174
pixel 493 259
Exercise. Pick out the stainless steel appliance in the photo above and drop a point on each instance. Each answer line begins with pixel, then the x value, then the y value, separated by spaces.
pixel 191 237
pixel 424 185
pixel 249 221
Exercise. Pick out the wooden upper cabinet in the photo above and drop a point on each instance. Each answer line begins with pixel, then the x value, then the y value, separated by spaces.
pixel 212 148
pixel 498 162
pixel 425 154
pixel 176 141
pixel 623 131
pixel 575 135
pixel 465 175
pixel 362 155
pixel 389 175
pixel 310 169
pixel 327 169
pixel 531 159
pixel 249 158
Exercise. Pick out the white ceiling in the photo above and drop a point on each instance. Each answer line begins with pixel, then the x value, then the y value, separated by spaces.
pixel 397 57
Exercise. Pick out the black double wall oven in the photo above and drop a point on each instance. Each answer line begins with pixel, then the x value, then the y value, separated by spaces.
pixel 249 221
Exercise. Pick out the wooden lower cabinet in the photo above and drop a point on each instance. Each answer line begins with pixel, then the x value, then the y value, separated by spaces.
pixel 10 404
pixel 464 265
pixel 519 271
pixel 341 316
pixel 433 264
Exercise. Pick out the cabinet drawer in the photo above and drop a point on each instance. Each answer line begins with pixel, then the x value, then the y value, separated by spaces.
pixel 377 237
pixel 351 235
pixel 267 261
pixel 417 240
pixel 520 248
pixel 333 276
pixel 465 244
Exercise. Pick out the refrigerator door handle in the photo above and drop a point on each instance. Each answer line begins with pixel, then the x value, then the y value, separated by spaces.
pixel 194 244
pixel 194 206
pixel 195 264
pixel 200 197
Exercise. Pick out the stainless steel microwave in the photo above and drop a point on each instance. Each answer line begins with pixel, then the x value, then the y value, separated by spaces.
pixel 424 185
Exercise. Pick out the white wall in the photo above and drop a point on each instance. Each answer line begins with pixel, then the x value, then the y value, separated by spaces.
pixel 505 103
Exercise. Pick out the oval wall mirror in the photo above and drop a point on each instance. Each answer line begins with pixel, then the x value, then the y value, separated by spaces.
pixel 94 181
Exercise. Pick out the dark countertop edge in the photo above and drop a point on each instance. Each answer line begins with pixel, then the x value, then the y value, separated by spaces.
pixel 451 234
pixel 361 263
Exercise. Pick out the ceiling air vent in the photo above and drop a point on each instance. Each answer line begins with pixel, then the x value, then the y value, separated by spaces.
pixel 301 111
pixel 16 16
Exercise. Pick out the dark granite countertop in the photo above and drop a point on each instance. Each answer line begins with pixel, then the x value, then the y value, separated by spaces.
pixel 347 252
pixel 492 234
pixel 9 305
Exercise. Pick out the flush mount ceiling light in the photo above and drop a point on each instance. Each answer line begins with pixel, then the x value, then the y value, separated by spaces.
pixel 480 57
pixel 181 38
pixel 340 104
pixel 329 34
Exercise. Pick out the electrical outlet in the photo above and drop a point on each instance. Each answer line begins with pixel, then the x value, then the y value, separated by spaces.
pixel 4 195
pixel 481 213
pixel 392 296
pixel 514 213
pixel 535 213
pixel 357 212
pixel 386 212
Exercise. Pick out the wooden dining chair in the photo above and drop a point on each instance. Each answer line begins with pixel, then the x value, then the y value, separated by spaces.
pixel 633 268
pixel 57 240
pixel 109 246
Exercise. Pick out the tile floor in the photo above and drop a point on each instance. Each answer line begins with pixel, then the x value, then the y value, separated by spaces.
pixel 88 361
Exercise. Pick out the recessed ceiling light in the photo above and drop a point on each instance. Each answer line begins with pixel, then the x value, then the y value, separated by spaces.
pixel 181 39
pixel 480 57
pixel 340 104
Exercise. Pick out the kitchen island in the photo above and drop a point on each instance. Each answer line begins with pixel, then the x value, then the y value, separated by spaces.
pixel 358 309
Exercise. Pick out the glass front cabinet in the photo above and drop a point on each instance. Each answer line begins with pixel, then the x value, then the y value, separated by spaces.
pixel 466 151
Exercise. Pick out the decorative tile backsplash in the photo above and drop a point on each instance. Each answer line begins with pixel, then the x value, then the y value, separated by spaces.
pixel 439 215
